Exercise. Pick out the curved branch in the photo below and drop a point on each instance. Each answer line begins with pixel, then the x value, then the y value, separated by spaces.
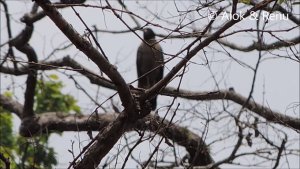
pixel 163 36
pixel 191 53
pixel 180 135
pixel 279 8
pixel 91 52
pixel 21 43
pixel 66 63
pixel 11 105
pixel 262 47
pixel 104 142
pixel 138 25
pixel 28 126
pixel 52 122
pixel 10 52
pixel 31 80
pixel 265 112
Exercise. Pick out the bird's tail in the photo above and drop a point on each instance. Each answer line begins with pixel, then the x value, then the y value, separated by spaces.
pixel 153 102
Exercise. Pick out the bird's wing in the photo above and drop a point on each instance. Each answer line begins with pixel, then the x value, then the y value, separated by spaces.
pixel 161 69
pixel 139 61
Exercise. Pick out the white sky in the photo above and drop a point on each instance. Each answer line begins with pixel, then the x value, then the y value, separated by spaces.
pixel 277 84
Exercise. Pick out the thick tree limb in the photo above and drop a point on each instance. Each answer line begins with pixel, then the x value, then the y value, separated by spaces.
pixel 64 63
pixel 191 53
pixel 52 122
pixel 265 112
pixel 181 136
pixel 113 126
pixel 105 140
pixel 11 105
pixel 28 125
pixel 30 82
pixel 21 43
pixel 91 52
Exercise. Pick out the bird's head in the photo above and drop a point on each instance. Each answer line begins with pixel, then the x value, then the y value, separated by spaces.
pixel 148 34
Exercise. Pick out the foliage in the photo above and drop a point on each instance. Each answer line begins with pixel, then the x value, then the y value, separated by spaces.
pixel 35 152
pixel 6 132
pixel 49 97
pixel 224 78
pixel 7 139
pixel 245 1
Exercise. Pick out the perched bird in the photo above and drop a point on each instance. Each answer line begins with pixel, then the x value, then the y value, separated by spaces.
pixel 148 63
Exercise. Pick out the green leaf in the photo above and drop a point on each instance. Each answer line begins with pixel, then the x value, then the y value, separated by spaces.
pixel 245 1
pixel 6 132
pixel 8 94
pixel 35 153
pixel 281 1
pixel 53 77
pixel 50 98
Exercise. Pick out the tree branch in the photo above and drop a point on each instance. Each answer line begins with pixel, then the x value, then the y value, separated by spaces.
pixel 91 52
pixel 21 43
pixel 279 8
pixel 262 47
pixel 11 105
pixel 52 122
pixel 190 53
pixel 182 136
pixel 66 63
pixel 265 112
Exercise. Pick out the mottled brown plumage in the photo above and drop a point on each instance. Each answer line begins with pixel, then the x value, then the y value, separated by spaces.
pixel 149 57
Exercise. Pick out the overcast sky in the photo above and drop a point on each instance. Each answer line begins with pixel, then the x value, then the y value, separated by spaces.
pixel 277 84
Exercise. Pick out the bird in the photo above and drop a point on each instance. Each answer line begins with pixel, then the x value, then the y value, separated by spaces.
pixel 149 63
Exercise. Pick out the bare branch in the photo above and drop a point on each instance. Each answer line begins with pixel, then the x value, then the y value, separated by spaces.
pixel 21 43
pixel 280 150
pixel 262 47
pixel 226 119
pixel 265 112
pixel 84 46
pixel 51 122
pixel 279 8
pixel 190 53
pixel 11 105
pixel 66 63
